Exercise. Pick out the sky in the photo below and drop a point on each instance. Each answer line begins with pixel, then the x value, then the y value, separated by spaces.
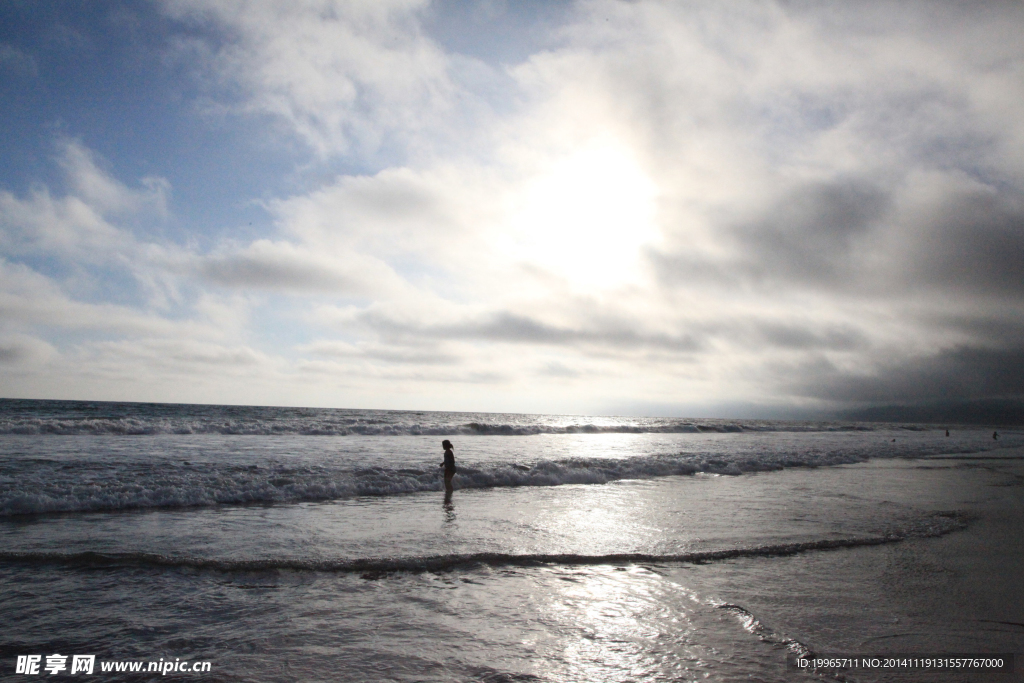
pixel 707 209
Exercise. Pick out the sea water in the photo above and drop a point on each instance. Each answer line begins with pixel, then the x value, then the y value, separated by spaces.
pixel 284 544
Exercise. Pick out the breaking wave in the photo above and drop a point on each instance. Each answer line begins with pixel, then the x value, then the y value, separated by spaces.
pixel 53 487
pixel 44 485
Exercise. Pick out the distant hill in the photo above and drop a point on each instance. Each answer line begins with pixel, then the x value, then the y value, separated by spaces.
pixel 995 411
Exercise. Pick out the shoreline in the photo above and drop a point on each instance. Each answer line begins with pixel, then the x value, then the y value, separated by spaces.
pixel 956 593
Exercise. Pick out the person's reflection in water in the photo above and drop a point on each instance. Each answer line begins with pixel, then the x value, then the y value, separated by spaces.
pixel 449 508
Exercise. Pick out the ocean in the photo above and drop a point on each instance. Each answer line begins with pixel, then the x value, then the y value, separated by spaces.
pixel 234 543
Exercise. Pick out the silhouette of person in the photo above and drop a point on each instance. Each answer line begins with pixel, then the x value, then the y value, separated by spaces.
pixel 947 432
pixel 448 465
pixel 995 435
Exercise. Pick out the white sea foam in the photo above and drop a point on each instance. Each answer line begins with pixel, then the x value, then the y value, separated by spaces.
pixel 56 486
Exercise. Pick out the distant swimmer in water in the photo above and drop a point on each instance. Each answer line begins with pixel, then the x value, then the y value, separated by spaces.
pixel 448 465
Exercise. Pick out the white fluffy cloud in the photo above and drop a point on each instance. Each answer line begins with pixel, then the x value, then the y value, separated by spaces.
pixel 79 225
pixel 342 75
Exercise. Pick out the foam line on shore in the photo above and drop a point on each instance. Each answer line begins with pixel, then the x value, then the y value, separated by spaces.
pixel 373 567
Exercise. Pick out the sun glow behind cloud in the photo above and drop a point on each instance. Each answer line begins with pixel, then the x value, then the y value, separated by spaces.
pixel 586 218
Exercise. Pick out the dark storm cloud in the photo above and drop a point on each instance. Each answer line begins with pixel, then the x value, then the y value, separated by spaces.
pixel 905 251
pixel 965 372
pixel 995 331
pixel 813 235
pixel 851 237
pixel 975 246
pixel 802 337
pixel 810 235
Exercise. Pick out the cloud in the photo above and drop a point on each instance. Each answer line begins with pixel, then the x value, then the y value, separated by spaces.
pixel 812 234
pixel 183 356
pixel 424 354
pixel 29 299
pixel 264 264
pixel 771 206
pixel 20 351
pixel 17 62
pixel 959 373
pixel 556 369
pixel 342 76
pixel 510 328
pixel 79 225
pixel 972 242
pixel 397 213
pixel 505 327
pixel 97 188
pixel 805 335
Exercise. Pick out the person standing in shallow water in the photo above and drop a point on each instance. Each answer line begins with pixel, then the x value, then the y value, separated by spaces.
pixel 448 465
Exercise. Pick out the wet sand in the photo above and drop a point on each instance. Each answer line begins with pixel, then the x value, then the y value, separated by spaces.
pixel 959 593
